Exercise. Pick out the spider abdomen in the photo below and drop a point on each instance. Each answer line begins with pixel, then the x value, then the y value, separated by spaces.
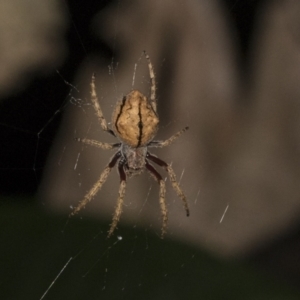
pixel 135 122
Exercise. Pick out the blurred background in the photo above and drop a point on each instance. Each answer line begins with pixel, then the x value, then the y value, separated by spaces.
pixel 228 69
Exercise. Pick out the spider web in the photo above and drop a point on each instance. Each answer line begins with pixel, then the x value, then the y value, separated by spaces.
pixel 39 136
pixel 72 258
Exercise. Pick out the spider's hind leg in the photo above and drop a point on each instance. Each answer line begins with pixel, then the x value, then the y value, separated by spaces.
pixel 153 83
pixel 97 108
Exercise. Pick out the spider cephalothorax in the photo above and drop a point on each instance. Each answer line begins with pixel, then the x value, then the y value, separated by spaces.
pixel 134 159
pixel 135 123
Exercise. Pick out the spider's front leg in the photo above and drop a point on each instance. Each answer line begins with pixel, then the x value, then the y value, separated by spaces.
pixel 162 197
pixel 118 209
pixel 97 186
pixel 172 176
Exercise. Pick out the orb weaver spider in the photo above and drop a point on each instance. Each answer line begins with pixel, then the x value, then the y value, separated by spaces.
pixel 135 123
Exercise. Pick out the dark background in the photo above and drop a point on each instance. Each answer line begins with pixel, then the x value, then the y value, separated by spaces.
pixel 24 131
pixel 28 125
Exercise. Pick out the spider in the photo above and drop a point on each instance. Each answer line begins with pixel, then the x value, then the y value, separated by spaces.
pixel 135 123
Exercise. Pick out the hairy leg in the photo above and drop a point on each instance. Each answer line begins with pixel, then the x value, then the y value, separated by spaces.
pixel 172 176
pixel 97 108
pixel 118 209
pixel 97 186
pixel 105 146
pixel 153 83
pixel 162 197
pixel 169 140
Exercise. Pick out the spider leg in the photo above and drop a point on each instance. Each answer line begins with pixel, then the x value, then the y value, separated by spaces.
pixel 97 186
pixel 162 197
pixel 169 140
pixel 97 108
pixel 153 84
pixel 174 182
pixel 105 146
pixel 118 210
